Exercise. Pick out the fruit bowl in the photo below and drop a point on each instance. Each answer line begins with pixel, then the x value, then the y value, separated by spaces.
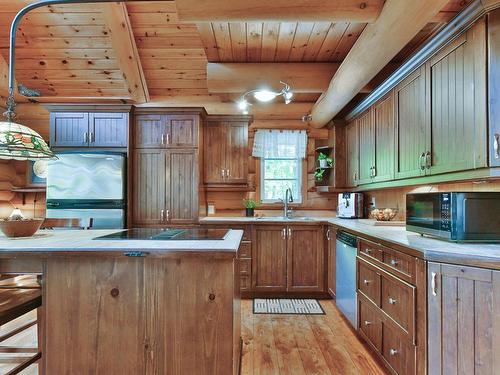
pixel 20 228
pixel 383 214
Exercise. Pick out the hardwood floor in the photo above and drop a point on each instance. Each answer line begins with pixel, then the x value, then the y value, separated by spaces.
pixel 313 344
pixel 280 345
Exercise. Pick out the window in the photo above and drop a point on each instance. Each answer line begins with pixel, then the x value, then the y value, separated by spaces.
pixel 279 174
pixel 281 153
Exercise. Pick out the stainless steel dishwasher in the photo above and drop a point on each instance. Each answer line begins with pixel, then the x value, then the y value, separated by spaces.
pixel 345 262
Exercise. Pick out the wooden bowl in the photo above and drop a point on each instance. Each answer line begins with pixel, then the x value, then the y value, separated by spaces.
pixel 383 214
pixel 20 228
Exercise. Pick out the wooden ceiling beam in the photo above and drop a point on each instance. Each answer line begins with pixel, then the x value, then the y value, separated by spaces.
pixel 279 10
pixel 123 41
pixel 377 45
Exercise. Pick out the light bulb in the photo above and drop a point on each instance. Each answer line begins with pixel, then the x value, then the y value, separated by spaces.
pixel 288 95
pixel 264 95
pixel 243 105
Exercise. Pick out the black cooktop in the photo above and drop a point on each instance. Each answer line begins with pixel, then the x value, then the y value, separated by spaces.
pixel 166 234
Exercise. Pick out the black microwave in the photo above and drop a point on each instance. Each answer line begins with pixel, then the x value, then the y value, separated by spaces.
pixel 455 216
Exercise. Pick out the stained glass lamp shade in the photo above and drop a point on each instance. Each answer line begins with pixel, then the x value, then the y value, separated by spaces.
pixel 22 143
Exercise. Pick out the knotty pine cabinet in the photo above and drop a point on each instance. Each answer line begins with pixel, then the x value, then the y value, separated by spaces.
pixel 463 321
pixel 288 258
pixel 88 129
pixel 226 151
pixel 331 241
pixel 352 152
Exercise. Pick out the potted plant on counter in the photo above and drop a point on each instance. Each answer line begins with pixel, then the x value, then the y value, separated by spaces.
pixel 250 205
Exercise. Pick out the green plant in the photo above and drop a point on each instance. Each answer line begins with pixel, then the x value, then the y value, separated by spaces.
pixel 250 203
pixel 319 174
pixel 322 156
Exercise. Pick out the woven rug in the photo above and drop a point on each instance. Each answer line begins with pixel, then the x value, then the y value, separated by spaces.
pixel 287 306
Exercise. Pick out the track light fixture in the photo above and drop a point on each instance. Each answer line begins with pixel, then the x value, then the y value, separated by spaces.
pixel 264 95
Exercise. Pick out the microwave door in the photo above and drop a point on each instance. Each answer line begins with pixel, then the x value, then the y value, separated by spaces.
pixel 424 212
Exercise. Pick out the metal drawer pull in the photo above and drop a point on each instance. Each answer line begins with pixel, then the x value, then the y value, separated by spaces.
pixel 368 251
pixel 85 137
pixel 366 282
pixel 393 352
pixel 168 215
pixel 496 146
pixel 283 233
pixel 328 233
pixel 428 160
pixel 433 283
pixel 163 139
pixel 422 161
pixel 168 139
pixel 162 215
pixel 392 301
pixel 222 173
pixel 367 323
pixel 394 262
pixel 289 232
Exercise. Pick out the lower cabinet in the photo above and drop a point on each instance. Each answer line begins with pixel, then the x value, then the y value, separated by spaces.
pixel 463 319
pixel 288 258
pixel 331 240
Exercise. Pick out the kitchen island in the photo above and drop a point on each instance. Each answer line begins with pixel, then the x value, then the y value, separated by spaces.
pixel 133 306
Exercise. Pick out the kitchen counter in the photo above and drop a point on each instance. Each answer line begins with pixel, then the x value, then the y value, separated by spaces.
pixel 82 241
pixel 431 249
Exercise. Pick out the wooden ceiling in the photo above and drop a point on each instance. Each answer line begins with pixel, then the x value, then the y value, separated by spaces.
pixel 68 51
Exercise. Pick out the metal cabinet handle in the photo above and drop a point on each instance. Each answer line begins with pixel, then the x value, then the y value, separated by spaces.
pixel 394 262
pixel 162 139
pixel 433 283
pixel 367 323
pixel 496 145
pixel 368 251
pixel 168 215
pixel 374 171
pixel 289 232
pixel 227 173
pixel 168 139
pixel 85 137
pixel 393 352
pixel 162 215
pixel 366 282
pixel 283 233
pixel 222 173
pixel 428 160
pixel 422 161
pixel 392 301
pixel 328 234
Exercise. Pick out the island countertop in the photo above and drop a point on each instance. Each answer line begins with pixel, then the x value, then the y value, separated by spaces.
pixel 432 249
pixel 74 242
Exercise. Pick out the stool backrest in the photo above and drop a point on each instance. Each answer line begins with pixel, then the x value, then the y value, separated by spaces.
pixel 72 223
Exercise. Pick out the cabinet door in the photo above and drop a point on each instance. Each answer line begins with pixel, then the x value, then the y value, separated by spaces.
pixel 366 132
pixel 214 151
pixel 69 129
pixel 463 310
pixel 269 258
pixel 384 139
pixel 150 131
pixel 412 125
pixel 182 187
pixel 494 87
pixel 149 187
pixel 108 129
pixel 352 153
pixel 305 258
pixel 236 153
pixel 182 130
pixel 331 236
pixel 458 120
pixel 99 296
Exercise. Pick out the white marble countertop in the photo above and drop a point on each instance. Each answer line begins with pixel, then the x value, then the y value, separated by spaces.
pixel 432 249
pixel 78 241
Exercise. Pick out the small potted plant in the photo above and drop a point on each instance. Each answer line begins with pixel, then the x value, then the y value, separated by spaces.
pixel 324 160
pixel 319 174
pixel 250 206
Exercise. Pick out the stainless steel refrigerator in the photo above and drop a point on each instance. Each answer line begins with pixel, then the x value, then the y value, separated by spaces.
pixel 88 186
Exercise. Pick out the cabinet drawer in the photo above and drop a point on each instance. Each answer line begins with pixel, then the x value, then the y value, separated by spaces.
pixel 397 351
pixel 370 249
pixel 247 232
pixel 245 250
pixel 245 282
pixel 370 324
pixel 245 266
pixel 403 264
pixel 369 282
pixel 398 301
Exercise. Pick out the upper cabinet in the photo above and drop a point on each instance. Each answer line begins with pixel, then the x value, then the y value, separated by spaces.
pixel 153 130
pixel 352 152
pixel 494 87
pixel 226 150
pixel 75 127
pixel 366 134
pixel 383 119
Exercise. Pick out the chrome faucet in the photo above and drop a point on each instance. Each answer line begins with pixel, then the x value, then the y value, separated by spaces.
pixel 288 199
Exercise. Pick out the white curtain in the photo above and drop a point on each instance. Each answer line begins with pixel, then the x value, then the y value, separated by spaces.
pixel 286 144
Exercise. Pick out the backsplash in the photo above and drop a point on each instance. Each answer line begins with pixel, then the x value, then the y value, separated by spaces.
pixel 396 198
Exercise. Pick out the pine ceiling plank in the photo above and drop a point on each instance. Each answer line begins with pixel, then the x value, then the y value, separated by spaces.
pixel 350 36
pixel 208 39
pixel 59 43
pixel 151 7
pixel 156 19
pixel 300 41
pixel 31 31
pixel 279 10
pixel 170 31
pixel 179 42
pixel 238 31
pixel 223 40
pixel 124 45
pixel 254 41
pixel 173 64
pixel 72 84
pixel 70 74
pixel 54 19
pixel 178 83
pixel 331 41
pixel 316 40
pixel 177 74
pixel 63 53
pixel 270 34
pixel 285 40
pixel 60 64
pixel 174 53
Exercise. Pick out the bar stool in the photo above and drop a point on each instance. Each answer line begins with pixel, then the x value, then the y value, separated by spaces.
pixel 14 303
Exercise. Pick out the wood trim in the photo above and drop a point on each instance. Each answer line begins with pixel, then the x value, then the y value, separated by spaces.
pixel 87 108
pixel 171 110
pixel 123 41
